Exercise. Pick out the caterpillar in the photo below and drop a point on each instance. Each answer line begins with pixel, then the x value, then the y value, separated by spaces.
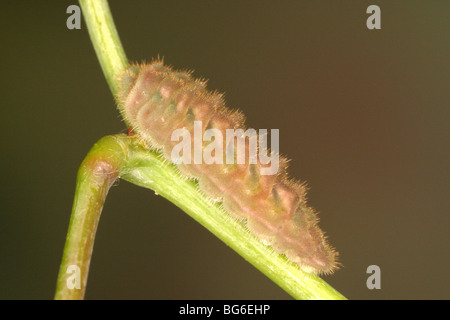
pixel 157 101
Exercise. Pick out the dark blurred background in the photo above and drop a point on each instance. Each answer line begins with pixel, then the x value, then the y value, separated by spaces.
pixel 363 114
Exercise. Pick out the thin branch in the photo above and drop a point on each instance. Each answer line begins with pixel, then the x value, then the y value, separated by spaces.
pixel 97 173
pixel 105 39
pixel 126 157
pixel 147 169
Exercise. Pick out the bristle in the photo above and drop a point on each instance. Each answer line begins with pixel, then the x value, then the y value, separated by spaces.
pixel 158 102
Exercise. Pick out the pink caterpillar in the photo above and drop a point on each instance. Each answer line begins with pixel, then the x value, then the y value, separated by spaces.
pixel 157 100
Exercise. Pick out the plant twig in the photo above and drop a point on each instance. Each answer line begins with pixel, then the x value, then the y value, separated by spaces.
pixel 105 39
pixel 128 158
pixel 146 168
pixel 97 173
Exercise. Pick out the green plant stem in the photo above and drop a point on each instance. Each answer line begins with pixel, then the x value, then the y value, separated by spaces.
pixel 105 39
pixel 126 157
pixel 97 173
pixel 147 169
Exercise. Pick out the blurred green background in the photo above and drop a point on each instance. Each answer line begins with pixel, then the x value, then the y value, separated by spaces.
pixel 363 114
